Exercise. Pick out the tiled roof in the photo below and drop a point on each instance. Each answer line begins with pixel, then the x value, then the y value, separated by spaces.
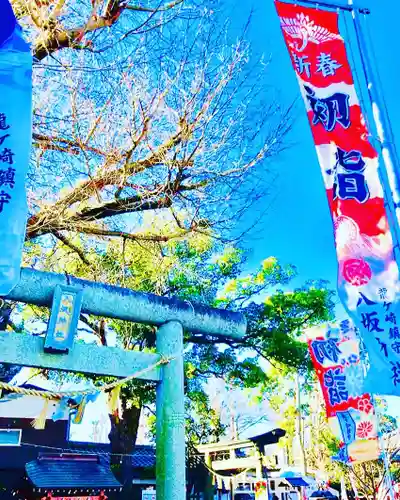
pixel 143 457
pixel 71 471
pixel 296 481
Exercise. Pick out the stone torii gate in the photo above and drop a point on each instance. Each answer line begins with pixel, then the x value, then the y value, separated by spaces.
pixel 170 316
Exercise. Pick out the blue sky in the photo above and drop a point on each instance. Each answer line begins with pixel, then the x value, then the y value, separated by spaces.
pixel 297 228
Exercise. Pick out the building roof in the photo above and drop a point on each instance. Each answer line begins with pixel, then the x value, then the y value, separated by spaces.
pixel 71 471
pixel 296 481
pixel 270 437
pixel 143 457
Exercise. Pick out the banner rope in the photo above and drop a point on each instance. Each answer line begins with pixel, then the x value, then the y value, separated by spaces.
pixel 52 395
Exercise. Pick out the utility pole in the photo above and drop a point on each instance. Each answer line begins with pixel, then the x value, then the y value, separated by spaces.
pixel 299 427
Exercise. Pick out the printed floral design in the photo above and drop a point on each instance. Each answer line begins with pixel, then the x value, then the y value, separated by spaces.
pixel 354 380
pixel 365 405
pixel 345 326
pixel 357 272
pixel 353 359
pixel 364 429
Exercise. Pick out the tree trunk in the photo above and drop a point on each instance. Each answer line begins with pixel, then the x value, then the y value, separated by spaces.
pixel 122 437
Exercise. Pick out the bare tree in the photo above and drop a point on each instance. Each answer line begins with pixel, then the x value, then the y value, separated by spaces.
pixel 59 24
pixel 371 478
pixel 170 128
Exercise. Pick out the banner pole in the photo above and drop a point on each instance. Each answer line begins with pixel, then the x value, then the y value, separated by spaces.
pixel 333 5
pixel 391 175
pixel 391 161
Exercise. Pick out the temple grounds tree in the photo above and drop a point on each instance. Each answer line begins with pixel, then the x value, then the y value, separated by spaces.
pixel 153 137
pixel 146 113
pixel 196 269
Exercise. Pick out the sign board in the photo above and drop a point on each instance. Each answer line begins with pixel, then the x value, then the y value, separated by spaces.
pixel 65 312
pixel 10 437
pixel 149 494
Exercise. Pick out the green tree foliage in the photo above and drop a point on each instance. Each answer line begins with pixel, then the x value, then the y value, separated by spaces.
pixel 321 444
pixel 200 270
pixel 152 136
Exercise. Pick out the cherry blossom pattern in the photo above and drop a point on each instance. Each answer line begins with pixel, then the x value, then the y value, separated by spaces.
pixel 365 405
pixel 356 272
pixel 364 429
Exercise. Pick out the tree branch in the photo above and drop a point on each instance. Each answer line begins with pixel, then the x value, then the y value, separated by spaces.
pixel 92 230
pixel 120 207
pixel 73 247
pixel 98 329
pixel 168 6
pixel 63 145
pixel 59 38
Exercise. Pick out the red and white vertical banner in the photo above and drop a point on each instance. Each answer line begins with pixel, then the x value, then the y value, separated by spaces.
pixel 335 353
pixel 368 276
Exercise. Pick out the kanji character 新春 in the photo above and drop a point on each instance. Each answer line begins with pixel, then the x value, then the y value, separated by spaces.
pixel 349 182
pixel 3 122
pixel 391 318
pixel 329 110
pixel 326 65
pixel 325 349
pixel 366 300
pixel 335 382
pixel 7 156
pixel 4 199
pixel 7 177
pixel 371 322
pixel 302 65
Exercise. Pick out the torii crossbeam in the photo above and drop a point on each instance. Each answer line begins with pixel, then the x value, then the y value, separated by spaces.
pixel 171 316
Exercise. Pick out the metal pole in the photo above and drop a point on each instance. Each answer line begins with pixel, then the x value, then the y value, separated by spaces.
pixel 300 427
pixel 170 415
pixel 333 5
pixel 391 175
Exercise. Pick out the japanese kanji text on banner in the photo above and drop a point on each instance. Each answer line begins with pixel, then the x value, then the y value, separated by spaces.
pixel 335 353
pixel 368 276
pixel 15 143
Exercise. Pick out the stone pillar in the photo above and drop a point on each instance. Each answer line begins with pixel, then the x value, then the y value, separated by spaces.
pixel 170 415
